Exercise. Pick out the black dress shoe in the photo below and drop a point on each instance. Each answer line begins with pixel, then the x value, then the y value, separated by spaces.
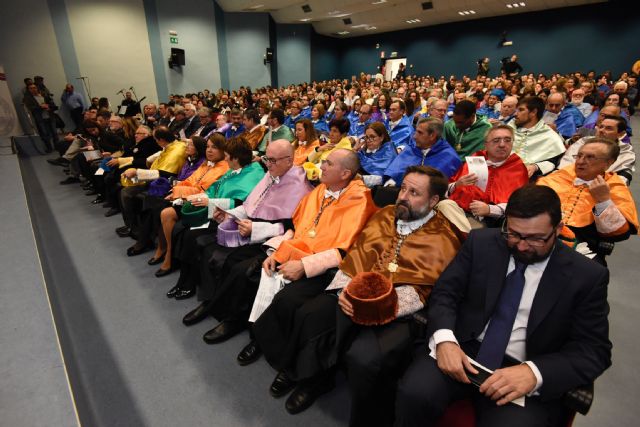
pixel 137 250
pixel 197 314
pixel 156 261
pixel 98 200
pixel 60 161
pixel 112 212
pixel 70 180
pixel 172 291
pixel 305 394
pixel 107 205
pixel 281 385
pixel 249 354
pixel 225 330
pixel 123 231
pixel 91 192
pixel 185 294
pixel 162 272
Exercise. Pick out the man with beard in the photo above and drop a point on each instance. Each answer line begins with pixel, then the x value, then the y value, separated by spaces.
pixel 532 311
pixel 409 244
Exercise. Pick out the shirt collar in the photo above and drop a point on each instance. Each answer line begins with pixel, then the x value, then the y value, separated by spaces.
pixel 302 143
pixel 579 181
pixel 495 164
pixel 254 128
pixel 405 227
pixel 236 171
pixel 210 163
pixel 335 194
pixel 274 179
pixel 372 151
pixel 276 129
pixel 425 151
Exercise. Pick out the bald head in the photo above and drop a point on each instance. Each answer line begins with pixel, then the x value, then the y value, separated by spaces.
pixel 555 102
pixel 348 159
pixel 279 158
pixel 280 148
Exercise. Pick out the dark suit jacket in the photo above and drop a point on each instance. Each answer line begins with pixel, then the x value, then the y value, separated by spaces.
pixel 190 128
pixel 140 152
pixel 568 330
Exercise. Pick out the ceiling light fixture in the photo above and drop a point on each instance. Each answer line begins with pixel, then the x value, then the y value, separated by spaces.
pixel 258 6
pixel 467 12
pixel 305 20
pixel 413 21
pixel 342 33
pixel 516 5
pixel 379 2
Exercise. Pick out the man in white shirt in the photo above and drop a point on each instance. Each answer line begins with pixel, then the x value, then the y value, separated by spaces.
pixel 528 308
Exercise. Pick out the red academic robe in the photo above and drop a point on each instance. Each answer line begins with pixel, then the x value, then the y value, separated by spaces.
pixel 503 181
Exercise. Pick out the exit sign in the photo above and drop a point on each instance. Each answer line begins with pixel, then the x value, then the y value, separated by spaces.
pixel 173 40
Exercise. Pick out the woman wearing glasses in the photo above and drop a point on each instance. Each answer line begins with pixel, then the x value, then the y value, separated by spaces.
pixel 375 154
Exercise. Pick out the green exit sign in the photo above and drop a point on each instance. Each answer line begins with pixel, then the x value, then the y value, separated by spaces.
pixel 173 40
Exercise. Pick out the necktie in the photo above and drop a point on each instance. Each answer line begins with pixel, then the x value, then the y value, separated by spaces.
pixel 496 339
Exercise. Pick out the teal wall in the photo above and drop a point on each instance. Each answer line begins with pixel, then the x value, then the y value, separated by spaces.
pixel 293 53
pixel 603 36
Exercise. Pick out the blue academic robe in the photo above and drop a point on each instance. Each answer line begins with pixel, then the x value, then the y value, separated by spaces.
pixel 321 126
pixel 378 162
pixel 290 121
pixel 488 112
pixel 565 123
pixel 401 134
pixel 578 118
pixel 441 156
pixel 353 116
pixel 232 133
pixel 357 128
pixel 305 113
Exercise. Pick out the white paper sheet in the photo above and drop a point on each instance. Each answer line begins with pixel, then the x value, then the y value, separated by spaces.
pixel 268 288
pixel 478 165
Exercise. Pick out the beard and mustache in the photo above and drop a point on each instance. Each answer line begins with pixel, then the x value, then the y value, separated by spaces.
pixel 405 212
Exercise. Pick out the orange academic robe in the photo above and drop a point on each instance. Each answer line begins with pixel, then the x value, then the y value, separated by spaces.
pixel 302 153
pixel 423 256
pixel 254 137
pixel 200 180
pixel 337 228
pixel 577 202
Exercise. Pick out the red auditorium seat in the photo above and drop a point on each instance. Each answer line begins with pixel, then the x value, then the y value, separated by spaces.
pixel 462 414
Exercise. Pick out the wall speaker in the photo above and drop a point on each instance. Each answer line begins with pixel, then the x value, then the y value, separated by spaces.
pixel 427 5
pixel 177 57
pixel 306 8
pixel 268 56
pixel 347 21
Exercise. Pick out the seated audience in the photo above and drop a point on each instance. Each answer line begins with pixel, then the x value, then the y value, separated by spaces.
pixel 236 128
pixel 276 130
pixel 338 139
pixel 254 131
pixel 318 119
pixel 399 125
pixel 375 154
pixel 360 122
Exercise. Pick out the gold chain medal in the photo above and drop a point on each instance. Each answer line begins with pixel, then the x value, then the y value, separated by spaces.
pixel 392 267
pixel 312 232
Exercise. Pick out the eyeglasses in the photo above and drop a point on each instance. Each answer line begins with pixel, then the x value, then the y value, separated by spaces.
pixel 370 137
pixel 141 133
pixel 272 160
pixel 515 238
pixel 506 139
pixel 588 157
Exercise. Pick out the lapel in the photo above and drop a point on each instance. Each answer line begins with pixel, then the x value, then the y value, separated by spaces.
pixel 496 276
pixel 552 284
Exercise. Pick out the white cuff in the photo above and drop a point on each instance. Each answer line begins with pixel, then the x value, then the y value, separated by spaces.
pixel 223 204
pixel 390 183
pixel 441 335
pixel 497 211
pixel 317 264
pixel 148 174
pixel 538 375
pixel 545 167
pixel 261 231
pixel 600 207
pixel 610 219
pixel 340 281
pixel 408 300
pixel 239 212
pixel 274 242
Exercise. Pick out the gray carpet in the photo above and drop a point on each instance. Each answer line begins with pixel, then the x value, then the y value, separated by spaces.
pixel 132 362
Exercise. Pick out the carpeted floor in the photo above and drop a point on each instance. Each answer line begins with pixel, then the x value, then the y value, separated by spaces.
pixel 130 360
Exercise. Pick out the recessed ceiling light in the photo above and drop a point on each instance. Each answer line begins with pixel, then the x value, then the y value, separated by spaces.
pixel 379 2
pixel 516 5
pixel 258 6
pixel 371 28
pixel 342 33
pixel 509 6
pixel 473 12
pixel 413 21
pixel 467 12
pixel 305 20
pixel 522 4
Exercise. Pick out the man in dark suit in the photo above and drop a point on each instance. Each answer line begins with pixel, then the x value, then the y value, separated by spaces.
pixel 193 121
pixel 522 304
